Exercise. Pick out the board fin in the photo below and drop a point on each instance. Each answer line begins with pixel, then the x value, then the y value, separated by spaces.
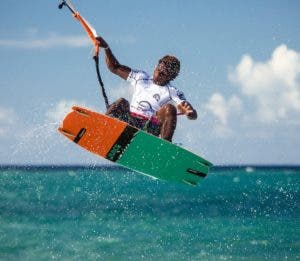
pixel 80 111
pixel 66 132
pixel 196 172
pixel 79 135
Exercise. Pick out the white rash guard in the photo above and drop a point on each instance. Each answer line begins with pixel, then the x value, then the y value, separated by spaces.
pixel 149 97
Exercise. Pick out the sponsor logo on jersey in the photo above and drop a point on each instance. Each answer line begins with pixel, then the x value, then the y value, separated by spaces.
pixel 156 97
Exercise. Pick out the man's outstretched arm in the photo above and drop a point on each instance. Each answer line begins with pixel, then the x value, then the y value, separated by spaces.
pixel 111 61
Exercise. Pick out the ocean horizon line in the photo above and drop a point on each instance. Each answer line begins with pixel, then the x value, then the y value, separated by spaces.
pixel 115 167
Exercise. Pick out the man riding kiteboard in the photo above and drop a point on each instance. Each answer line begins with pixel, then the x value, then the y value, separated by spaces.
pixel 152 107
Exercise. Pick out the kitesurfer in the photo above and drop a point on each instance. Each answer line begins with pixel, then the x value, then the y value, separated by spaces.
pixel 155 103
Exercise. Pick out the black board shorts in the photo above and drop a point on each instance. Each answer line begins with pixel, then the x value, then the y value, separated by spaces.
pixel 152 125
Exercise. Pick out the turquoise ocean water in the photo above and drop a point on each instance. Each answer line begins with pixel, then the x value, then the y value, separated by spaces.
pixel 106 213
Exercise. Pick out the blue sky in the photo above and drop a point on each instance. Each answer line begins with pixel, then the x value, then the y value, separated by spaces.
pixel 240 70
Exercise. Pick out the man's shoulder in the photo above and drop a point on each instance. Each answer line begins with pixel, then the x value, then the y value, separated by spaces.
pixel 175 92
pixel 139 75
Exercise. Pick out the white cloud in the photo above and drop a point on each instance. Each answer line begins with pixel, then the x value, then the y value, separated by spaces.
pixel 274 84
pixel 7 119
pixel 34 40
pixel 6 115
pixel 57 112
pixel 51 41
pixel 221 108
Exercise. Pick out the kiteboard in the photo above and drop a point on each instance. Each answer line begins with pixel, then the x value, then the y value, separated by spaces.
pixel 132 148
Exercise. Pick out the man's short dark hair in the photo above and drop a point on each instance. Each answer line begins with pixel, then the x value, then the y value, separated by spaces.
pixel 172 65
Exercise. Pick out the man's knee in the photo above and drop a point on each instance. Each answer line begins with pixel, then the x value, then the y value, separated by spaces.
pixel 122 102
pixel 119 107
pixel 169 110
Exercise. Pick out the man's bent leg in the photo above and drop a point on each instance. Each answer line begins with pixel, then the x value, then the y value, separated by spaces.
pixel 119 109
pixel 167 116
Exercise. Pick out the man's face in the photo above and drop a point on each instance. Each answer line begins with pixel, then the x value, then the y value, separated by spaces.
pixel 160 75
